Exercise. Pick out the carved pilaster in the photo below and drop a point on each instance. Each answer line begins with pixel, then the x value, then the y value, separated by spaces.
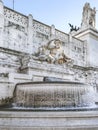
pixel 1 23
pixel 30 32
pixel 70 37
pixel 52 32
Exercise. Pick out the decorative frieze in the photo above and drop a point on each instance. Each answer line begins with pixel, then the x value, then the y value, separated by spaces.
pixel 62 36
pixel 15 17
pixel 41 34
pixel 40 27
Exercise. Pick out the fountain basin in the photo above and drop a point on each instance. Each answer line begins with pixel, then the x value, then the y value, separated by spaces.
pixel 48 120
pixel 53 95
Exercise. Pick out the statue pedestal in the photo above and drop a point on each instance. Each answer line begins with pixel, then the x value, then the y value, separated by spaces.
pixel 42 69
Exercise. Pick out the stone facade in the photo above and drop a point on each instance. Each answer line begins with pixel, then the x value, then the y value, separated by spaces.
pixel 27 55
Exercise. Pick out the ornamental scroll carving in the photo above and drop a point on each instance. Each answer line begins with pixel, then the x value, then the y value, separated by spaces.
pixel 52 53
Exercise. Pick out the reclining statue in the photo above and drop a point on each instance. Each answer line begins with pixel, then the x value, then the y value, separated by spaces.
pixel 52 53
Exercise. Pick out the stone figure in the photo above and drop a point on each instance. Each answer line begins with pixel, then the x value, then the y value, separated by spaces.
pixel 88 16
pixel 52 53
pixel 92 17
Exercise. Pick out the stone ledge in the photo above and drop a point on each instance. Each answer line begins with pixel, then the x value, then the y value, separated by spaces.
pixel 49 120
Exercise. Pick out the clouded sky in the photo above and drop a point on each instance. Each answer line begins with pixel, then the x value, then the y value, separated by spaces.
pixel 57 12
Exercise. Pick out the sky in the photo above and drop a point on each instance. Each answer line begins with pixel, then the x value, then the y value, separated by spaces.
pixel 56 12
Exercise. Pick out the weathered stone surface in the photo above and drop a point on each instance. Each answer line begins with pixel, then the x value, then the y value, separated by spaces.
pixel 21 37
pixel 84 120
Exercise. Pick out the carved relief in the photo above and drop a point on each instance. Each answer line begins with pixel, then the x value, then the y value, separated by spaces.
pixel 15 17
pixel 24 61
pixel 52 53
pixel 7 59
pixel 9 24
pixel 15 38
pixel 41 33
pixel 62 36
pixel 42 28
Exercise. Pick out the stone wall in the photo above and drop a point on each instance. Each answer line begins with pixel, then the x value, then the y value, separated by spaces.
pixel 25 34
pixel 79 52
pixel 15 31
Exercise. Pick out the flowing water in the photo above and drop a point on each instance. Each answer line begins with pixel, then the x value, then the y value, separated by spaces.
pixel 53 95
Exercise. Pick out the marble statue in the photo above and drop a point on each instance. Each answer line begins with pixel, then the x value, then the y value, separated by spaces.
pixel 88 15
pixel 52 53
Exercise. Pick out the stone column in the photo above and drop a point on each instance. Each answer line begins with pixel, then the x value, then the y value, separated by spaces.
pixel 1 23
pixel 52 34
pixel 30 33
